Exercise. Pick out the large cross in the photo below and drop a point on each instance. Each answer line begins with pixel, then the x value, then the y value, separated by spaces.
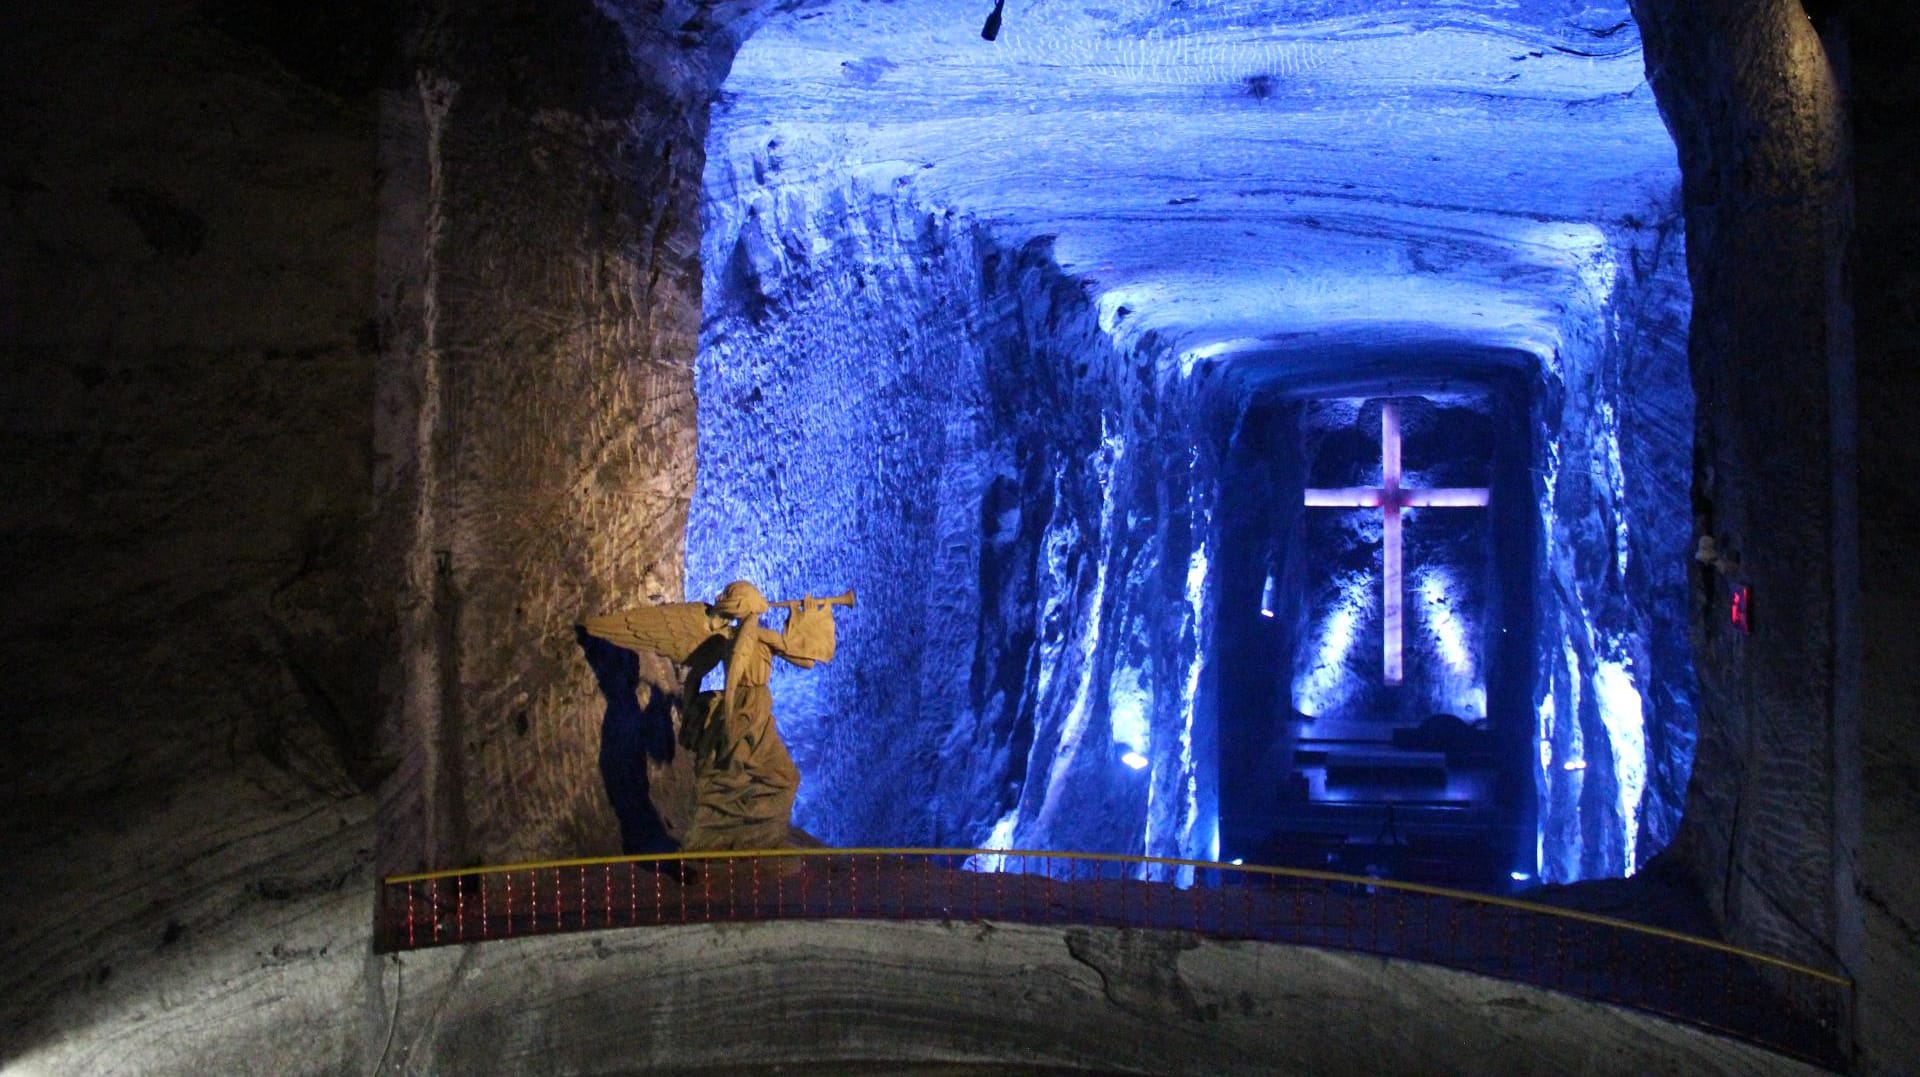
pixel 1390 497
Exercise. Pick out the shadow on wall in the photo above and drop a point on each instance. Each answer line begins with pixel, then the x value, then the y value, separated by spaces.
pixel 631 736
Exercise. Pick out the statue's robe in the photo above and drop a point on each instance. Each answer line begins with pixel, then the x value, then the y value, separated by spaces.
pixel 744 779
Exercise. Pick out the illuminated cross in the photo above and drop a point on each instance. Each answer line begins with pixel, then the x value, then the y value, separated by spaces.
pixel 1389 497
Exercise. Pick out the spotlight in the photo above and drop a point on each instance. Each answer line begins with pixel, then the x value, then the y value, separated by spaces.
pixel 992 29
pixel 1574 764
pixel 1236 861
pixel 1518 876
pixel 1134 760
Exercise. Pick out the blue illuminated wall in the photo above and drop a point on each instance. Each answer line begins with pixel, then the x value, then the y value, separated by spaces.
pixel 982 320
pixel 891 402
pixel 1025 507
pixel 1615 692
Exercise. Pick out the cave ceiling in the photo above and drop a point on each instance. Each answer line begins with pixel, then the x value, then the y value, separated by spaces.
pixel 1271 182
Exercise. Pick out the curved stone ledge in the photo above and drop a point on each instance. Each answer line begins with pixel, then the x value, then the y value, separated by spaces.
pixel 844 996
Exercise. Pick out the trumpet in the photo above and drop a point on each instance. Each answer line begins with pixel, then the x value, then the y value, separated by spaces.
pixel 794 605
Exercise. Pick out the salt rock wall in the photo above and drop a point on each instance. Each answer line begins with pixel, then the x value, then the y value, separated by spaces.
pixel 891 402
pixel 540 275
pixel 1614 694
pixel 192 664
pixel 1884 98
pixel 1754 105
pixel 347 365
pixel 864 996
pixel 189 365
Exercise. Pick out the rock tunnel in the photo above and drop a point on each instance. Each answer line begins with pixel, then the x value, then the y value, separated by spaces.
pixel 1038 341
pixel 356 351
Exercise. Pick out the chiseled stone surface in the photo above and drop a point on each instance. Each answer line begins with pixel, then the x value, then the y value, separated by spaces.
pixel 187 355
pixel 892 400
pixel 1235 173
pixel 916 997
pixel 221 547
pixel 1886 95
pixel 224 932
pixel 980 317
pixel 1772 819
pixel 536 415
pixel 1613 437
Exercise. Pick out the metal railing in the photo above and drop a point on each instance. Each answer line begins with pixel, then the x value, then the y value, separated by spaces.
pixel 1786 1006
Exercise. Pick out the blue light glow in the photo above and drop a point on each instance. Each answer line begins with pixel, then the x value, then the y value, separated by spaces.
pixel 1620 712
pixel 948 291
pixel 1443 621
pixel 1196 605
pixel 1127 708
pixel 1331 680
pixel 1616 484
pixel 1456 686
pixel 1087 619
pixel 1000 837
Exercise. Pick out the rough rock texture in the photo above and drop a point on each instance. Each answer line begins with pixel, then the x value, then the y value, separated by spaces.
pixel 218 445
pixel 833 997
pixel 189 359
pixel 1234 175
pixel 1772 819
pixel 1183 187
pixel 536 415
pixel 892 402
pixel 191 657
pixel 1886 93
pixel 273 307
pixel 1613 422
pixel 321 433
pixel 227 932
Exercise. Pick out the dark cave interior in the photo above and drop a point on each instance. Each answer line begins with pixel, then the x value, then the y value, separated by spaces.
pixel 355 354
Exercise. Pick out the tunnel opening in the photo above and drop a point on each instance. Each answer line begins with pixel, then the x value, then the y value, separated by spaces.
pixel 988 365
pixel 528 360
pixel 1383 743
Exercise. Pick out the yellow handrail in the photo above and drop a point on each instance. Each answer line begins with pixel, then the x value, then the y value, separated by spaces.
pixel 1122 858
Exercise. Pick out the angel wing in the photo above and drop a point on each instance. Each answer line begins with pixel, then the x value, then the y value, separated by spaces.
pixel 674 629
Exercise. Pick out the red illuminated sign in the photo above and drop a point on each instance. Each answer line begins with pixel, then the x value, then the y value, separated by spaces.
pixel 1739 608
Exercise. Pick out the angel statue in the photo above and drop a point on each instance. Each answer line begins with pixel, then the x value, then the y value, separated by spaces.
pixel 744 780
